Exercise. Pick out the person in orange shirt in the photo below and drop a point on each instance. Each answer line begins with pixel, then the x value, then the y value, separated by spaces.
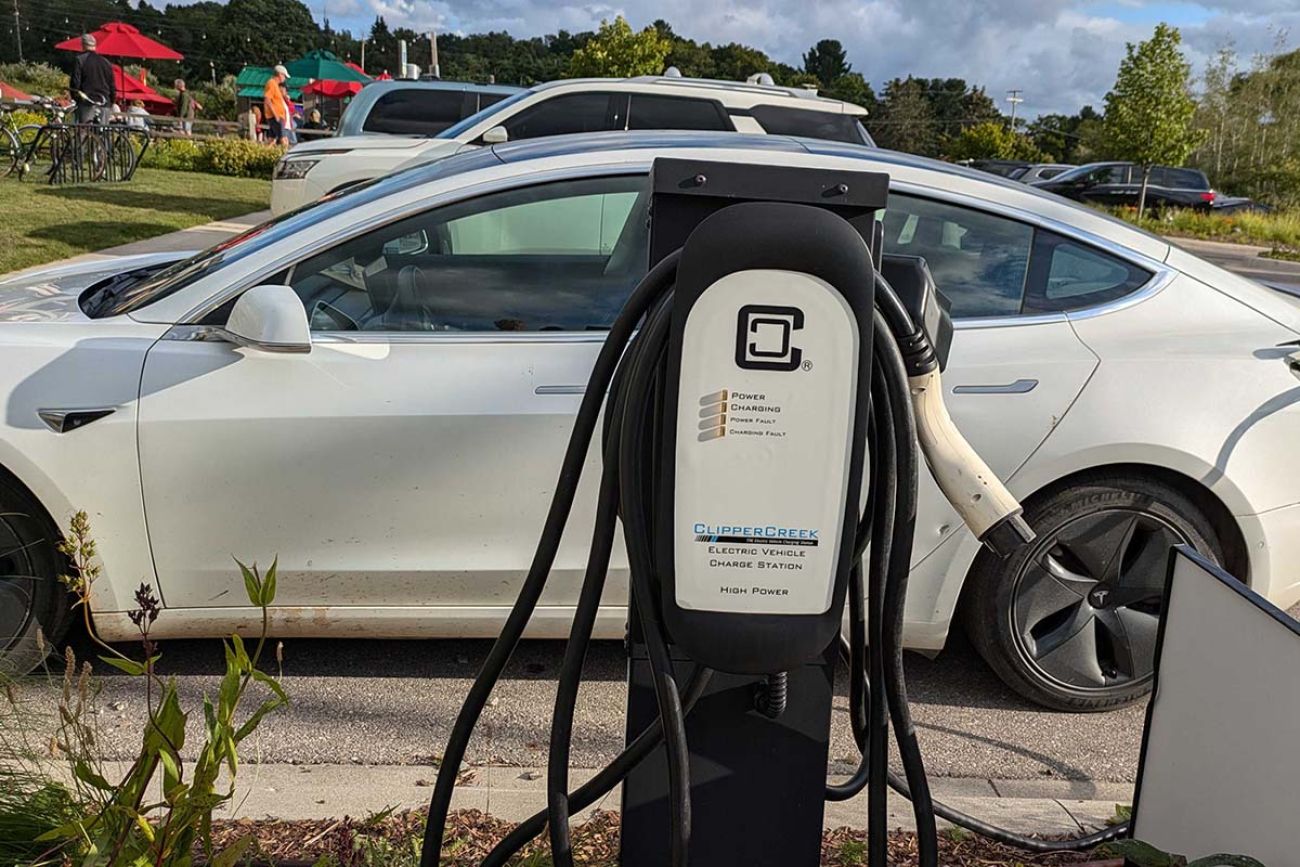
pixel 275 99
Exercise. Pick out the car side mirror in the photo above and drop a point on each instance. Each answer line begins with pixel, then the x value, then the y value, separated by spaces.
pixel 270 318
pixel 496 135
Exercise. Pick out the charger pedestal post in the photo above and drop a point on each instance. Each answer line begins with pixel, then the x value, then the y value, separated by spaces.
pixel 758 779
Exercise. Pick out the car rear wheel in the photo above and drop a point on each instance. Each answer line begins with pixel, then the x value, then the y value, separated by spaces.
pixel 1070 620
pixel 31 596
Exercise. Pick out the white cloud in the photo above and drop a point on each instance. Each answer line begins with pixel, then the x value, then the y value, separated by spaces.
pixel 1062 54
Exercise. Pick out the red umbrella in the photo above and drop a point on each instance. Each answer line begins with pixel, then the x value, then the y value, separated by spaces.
pixel 12 93
pixel 384 76
pixel 350 65
pixel 118 39
pixel 333 89
pixel 130 88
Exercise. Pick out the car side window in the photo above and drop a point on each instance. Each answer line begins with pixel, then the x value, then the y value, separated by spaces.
pixel 561 256
pixel 571 113
pixel 415 111
pixel 1066 275
pixel 651 111
pixel 979 261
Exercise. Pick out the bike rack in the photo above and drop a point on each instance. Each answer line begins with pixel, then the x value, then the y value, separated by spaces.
pixel 89 153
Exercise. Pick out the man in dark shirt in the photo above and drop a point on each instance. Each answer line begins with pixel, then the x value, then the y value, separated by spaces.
pixel 92 83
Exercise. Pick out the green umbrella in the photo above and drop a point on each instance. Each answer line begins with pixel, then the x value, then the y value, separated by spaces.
pixel 324 65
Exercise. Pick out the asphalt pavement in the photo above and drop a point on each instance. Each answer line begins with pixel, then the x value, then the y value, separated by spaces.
pixel 393 703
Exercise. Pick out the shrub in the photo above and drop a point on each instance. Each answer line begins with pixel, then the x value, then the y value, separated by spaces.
pixel 237 157
pixel 234 157
pixel 35 78
pixel 177 154
pixel 23 117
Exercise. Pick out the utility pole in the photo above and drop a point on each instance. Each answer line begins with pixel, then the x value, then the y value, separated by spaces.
pixel 433 54
pixel 363 55
pixel 1014 97
pixel 18 31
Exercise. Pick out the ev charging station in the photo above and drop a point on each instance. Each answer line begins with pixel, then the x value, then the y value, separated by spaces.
pixel 762 403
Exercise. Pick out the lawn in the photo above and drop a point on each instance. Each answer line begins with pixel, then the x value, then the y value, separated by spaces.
pixel 41 223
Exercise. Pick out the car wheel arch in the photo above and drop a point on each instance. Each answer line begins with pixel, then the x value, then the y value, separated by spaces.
pixel 1220 516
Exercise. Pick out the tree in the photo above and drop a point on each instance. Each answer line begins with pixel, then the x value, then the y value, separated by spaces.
pixel 905 121
pixel 827 61
pixel 1149 111
pixel 992 140
pixel 618 51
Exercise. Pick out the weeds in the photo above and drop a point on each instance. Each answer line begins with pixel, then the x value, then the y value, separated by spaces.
pixel 160 812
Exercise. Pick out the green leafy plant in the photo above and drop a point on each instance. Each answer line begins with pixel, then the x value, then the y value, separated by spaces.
pixel 160 811
pixel 1145 855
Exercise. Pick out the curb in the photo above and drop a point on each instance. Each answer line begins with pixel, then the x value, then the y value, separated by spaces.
pixel 289 792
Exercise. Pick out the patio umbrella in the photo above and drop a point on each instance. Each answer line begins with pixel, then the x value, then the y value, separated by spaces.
pixel 118 39
pixel 324 66
pixel 333 89
pixel 129 88
pixel 12 94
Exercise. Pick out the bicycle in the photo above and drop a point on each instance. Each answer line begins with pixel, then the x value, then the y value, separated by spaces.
pixel 15 141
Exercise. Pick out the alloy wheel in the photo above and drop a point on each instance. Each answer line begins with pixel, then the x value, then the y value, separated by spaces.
pixel 1086 604
pixel 18 582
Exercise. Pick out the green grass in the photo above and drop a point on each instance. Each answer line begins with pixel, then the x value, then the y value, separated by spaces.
pixel 1280 229
pixel 41 223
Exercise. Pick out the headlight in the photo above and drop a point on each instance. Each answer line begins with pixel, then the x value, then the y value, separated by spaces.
pixel 293 170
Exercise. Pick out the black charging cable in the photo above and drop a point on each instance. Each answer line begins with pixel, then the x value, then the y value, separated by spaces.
pixel 628 367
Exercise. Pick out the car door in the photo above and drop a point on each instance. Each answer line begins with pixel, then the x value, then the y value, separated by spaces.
pixel 1013 372
pixel 409 458
pixel 1110 185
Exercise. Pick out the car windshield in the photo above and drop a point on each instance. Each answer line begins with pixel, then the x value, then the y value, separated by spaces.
pixel 114 296
pixel 455 130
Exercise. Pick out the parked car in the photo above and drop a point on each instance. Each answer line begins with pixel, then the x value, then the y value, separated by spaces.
pixel 1001 168
pixel 416 108
pixel 400 460
pixel 1239 205
pixel 1038 172
pixel 313 169
pixel 1119 184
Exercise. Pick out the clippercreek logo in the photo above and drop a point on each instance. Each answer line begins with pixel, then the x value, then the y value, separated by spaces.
pixel 769 534
pixel 765 337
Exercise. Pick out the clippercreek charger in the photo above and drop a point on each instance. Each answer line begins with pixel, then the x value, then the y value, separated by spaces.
pixel 763 436
pixel 765 388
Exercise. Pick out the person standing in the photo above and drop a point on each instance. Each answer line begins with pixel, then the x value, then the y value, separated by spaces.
pixel 186 107
pixel 275 101
pixel 91 85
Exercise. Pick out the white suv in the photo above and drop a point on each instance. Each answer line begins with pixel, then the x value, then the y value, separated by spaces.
pixel 315 168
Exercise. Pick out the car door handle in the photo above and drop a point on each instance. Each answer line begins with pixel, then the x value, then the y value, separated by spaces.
pixel 560 389
pixel 1020 386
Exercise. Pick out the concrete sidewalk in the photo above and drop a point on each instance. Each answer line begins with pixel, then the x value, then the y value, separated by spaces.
pixel 286 791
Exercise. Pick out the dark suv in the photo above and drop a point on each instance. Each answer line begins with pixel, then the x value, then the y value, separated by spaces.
pixel 1119 184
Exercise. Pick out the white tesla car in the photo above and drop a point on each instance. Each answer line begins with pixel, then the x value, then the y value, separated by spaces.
pixel 391 424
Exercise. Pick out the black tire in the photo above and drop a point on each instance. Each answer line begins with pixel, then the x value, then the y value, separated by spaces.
pixel 31 596
pixel 1069 621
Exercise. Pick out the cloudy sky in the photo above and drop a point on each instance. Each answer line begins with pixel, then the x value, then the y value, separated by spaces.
pixel 1061 53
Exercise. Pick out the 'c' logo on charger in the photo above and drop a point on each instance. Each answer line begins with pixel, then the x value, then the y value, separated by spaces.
pixel 764 337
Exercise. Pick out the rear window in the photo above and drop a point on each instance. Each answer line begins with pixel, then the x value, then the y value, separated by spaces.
pixel 1184 179
pixel 417 111
pixel 675 112
pixel 809 124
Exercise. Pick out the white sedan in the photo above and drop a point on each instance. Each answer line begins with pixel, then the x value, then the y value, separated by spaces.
pixel 392 426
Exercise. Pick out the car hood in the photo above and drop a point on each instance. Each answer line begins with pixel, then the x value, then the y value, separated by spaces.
pixel 50 294
pixel 340 144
